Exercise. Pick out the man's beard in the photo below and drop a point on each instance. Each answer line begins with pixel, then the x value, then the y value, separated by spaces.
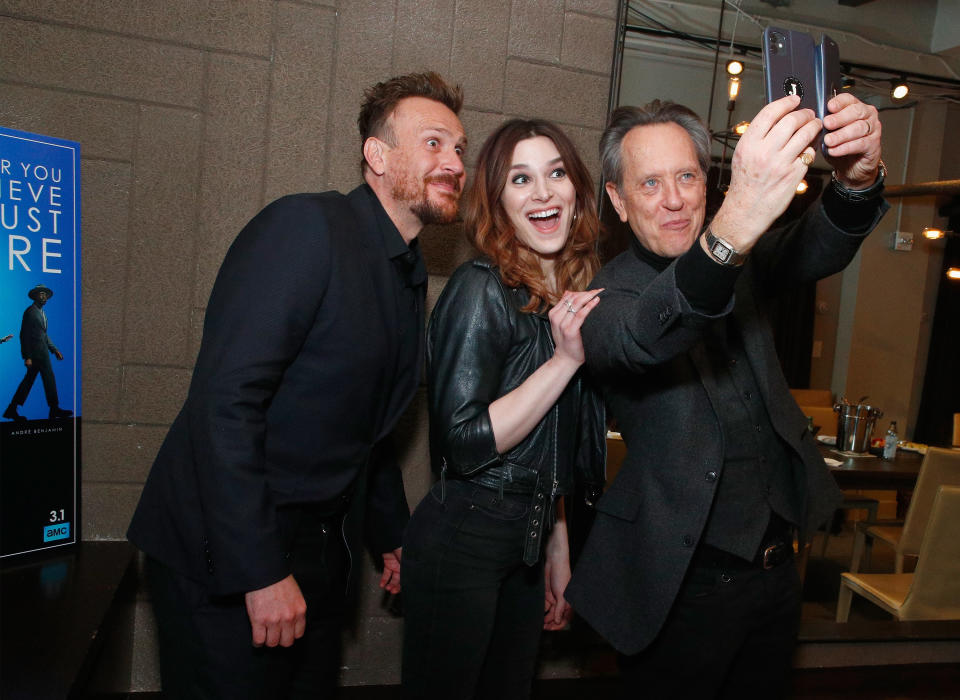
pixel 426 210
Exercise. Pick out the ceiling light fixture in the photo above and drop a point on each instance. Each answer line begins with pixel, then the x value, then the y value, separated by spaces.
pixel 899 89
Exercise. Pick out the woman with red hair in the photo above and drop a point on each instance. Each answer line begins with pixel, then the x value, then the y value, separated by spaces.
pixel 513 425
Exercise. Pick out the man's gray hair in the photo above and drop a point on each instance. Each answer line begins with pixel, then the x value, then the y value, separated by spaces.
pixel 624 119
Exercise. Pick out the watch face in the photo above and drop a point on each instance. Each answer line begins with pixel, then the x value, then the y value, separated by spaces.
pixel 721 251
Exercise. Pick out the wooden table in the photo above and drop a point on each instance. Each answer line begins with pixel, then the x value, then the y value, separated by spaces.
pixel 899 474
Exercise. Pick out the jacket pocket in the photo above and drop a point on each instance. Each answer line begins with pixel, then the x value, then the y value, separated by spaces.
pixel 620 503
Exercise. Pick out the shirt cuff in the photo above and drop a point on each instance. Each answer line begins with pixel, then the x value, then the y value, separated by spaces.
pixel 850 217
pixel 706 284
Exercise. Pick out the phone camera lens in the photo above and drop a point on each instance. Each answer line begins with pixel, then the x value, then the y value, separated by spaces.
pixel 777 42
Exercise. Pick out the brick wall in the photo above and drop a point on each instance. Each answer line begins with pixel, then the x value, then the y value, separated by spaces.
pixel 193 114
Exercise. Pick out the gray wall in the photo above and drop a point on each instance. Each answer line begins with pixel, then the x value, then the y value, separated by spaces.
pixel 193 114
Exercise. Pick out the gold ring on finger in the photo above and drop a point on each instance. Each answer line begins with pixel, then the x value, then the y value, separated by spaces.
pixel 806 158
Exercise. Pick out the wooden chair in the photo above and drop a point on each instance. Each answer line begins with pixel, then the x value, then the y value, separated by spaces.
pixel 940 467
pixel 932 592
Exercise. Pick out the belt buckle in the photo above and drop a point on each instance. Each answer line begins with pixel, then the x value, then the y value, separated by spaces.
pixel 770 556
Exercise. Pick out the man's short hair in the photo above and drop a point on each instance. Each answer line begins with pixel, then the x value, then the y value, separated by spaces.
pixel 624 119
pixel 380 100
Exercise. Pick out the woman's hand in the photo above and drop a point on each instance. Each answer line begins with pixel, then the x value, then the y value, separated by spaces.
pixel 566 318
pixel 515 414
pixel 556 571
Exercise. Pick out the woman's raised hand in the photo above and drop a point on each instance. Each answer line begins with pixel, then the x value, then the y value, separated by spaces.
pixel 566 318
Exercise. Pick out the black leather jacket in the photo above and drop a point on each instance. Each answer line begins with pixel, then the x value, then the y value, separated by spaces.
pixel 481 346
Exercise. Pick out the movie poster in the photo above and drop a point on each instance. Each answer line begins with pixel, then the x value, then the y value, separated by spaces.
pixel 40 348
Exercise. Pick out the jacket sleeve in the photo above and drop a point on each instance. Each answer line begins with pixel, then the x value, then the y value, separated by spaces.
pixel 263 304
pixel 640 324
pixel 807 250
pixel 468 343
pixel 387 508
pixel 591 462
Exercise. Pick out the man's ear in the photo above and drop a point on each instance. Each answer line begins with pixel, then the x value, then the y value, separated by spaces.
pixel 614 195
pixel 373 153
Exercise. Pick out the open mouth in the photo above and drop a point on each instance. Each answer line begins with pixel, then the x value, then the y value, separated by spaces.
pixel 545 220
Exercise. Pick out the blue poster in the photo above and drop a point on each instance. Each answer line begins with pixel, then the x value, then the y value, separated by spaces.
pixel 39 342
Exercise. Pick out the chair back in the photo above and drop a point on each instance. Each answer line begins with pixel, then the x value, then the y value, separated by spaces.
pixel 935 591
pixel 940 467
pixel 813 397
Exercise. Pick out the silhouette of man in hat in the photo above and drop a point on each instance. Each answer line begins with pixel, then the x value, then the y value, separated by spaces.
pixel 36 348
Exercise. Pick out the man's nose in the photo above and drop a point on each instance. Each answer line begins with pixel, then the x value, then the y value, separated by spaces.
pixel 453 162
pixel 671 196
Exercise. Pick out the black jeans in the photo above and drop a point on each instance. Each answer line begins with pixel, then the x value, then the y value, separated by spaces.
pixel 730 634
pixel 206 648
pixel 473 612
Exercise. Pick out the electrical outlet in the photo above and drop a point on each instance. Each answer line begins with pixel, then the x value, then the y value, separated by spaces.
pixel 901 240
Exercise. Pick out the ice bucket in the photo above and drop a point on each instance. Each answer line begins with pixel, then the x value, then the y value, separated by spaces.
pixel 855 425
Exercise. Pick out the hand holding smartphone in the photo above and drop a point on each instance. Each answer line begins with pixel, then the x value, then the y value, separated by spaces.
pixel 794 65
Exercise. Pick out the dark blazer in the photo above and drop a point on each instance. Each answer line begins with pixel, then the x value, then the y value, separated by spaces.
pixel 294 392
pixel 644 343
pixel 34 343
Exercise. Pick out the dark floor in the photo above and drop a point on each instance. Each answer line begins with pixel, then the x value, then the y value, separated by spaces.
pixel 908 682
pixel 915 682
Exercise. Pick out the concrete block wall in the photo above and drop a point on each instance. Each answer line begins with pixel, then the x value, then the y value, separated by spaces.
pixel 192 115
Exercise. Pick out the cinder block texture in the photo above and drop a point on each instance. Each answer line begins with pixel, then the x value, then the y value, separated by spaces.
pixel 105 207
pixel 105 64
pixel 364 56
pixel 607 8
pixel 536 29
pixel 101 393
pixel 413 449
pixel 241 26
pixel 479 125
pixel 153 395
pixel 162 237
pixel 105 128
pixel 424 34
pixel 587 42
pixel 233 150
pixel 479 56
pixel 120 453
pixel 302 74
pixel 559 94
pixel 444 248
pixel 107 509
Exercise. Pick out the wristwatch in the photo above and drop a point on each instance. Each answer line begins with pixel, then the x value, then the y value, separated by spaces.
pixel 848 195
pixel 723 252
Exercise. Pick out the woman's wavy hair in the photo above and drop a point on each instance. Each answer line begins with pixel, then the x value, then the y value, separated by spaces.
pixel 489 229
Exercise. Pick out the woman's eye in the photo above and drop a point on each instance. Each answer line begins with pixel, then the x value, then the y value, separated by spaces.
pixel 519 179
pixel 559 172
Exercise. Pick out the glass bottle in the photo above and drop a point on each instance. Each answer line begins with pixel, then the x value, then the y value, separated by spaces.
pixel 890 441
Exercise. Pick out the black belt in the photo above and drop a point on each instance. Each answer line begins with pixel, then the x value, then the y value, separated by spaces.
pixel 773 552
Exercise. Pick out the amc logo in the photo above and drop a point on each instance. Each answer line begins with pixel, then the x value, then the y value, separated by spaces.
pixel 60 531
